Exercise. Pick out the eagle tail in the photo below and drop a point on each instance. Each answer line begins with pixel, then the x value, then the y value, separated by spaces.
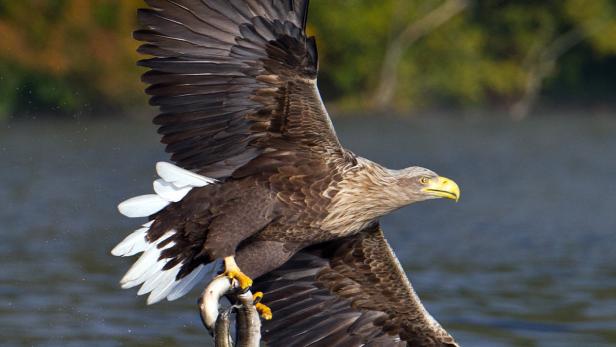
pixel 157 273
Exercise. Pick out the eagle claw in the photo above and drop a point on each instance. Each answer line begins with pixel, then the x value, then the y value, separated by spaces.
pixel 257 297
pixel 233 272
pixel 264 310
pixel 244 281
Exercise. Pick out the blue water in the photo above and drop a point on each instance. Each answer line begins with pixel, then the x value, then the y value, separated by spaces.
pixel 526 258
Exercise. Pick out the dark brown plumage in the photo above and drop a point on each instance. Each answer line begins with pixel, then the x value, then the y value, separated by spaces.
pixel 347 292
pixel 235 81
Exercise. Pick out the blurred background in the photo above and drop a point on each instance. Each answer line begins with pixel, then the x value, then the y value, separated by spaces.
pixel 514 100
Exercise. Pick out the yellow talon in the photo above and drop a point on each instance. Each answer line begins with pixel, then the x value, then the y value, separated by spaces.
pixel 244 281
pixel 264 311
pixel 257 297
pixel 232 271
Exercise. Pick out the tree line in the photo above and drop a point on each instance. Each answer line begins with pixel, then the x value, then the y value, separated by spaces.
pixel 70 56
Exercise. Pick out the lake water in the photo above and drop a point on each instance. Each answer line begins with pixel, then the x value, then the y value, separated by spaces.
pixel 526 258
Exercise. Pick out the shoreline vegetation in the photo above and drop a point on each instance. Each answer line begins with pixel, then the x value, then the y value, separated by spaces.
pixel 77 58
pixel 568 110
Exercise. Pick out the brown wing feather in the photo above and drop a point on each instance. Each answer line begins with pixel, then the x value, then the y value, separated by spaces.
pixel 348 292
pixel 234 80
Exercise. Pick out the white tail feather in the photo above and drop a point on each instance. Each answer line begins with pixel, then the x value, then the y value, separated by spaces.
pixel 173 186
pixel 187 282
pixel 132 244
pixel 148 259
pixel 175 183
pixel 200 273
pixel 142 206
pixel 148 271
pixel 151 283
pixel 164 285
pixel 181 177
pixel 170 191
pixel 143 277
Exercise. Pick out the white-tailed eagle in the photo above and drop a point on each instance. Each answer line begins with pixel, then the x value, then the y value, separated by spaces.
pixel 262 184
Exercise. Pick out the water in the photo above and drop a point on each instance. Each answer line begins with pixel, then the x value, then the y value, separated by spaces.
pixel 526 258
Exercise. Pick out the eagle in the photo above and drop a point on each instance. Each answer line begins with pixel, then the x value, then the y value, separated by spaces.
pixel 260 188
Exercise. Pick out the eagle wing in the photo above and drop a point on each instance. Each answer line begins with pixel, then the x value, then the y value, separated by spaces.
pixel 347 292
pixel 235 81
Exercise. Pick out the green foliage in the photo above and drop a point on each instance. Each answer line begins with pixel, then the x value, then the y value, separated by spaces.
pixel 9 84
pixel 60 56
pixel 480 57
pixel 588 14
pixel 352 36
pixel 106 13
pixel 63 56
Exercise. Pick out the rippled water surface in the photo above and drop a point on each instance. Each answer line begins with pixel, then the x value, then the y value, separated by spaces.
pixel 526 258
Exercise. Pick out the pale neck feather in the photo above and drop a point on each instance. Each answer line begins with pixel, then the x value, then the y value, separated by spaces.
pixel 367 192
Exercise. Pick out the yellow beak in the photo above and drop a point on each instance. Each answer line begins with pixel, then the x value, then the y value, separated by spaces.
pixel 443 187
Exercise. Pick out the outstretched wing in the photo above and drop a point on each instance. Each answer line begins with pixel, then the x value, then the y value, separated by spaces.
pixel 348 292
pixel 235 80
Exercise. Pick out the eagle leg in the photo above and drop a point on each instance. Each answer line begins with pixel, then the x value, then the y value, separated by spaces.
pixel 264 311
pixel 232 271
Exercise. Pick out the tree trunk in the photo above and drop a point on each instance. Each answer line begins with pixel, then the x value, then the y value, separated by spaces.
pixel 540 65
pixel 414 31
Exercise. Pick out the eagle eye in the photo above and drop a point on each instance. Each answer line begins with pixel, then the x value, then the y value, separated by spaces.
pixel 424 180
